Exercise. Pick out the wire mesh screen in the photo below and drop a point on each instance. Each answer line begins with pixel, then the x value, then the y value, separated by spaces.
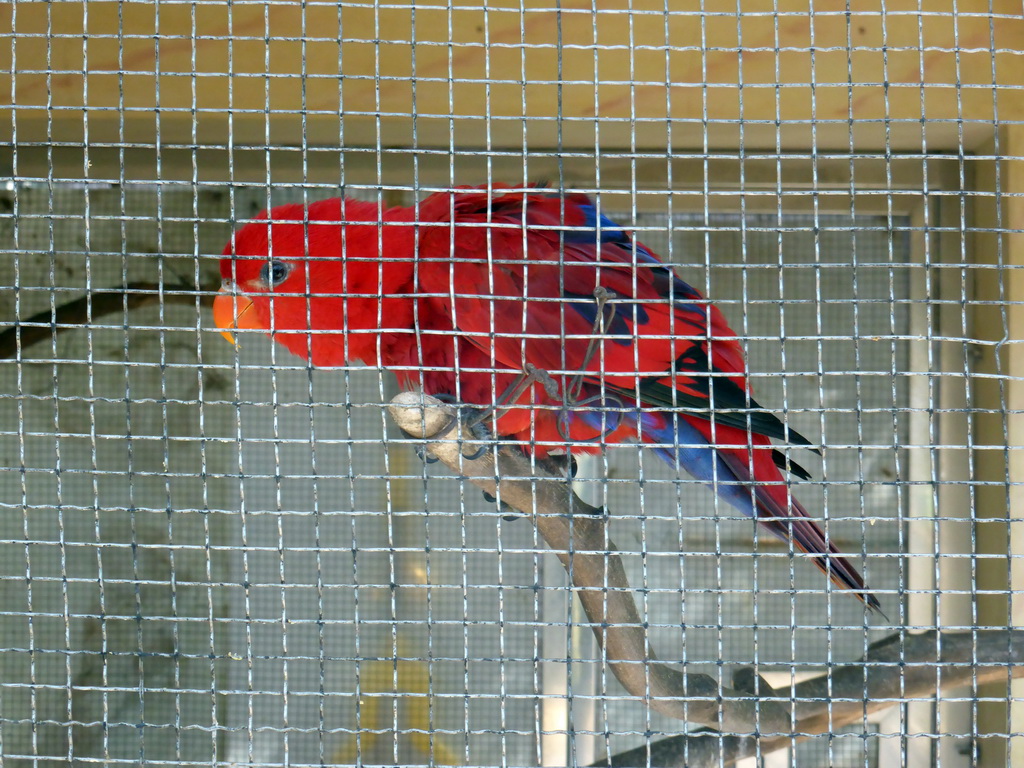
pixel 216 553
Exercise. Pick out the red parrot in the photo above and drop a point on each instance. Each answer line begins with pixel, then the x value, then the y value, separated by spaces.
pixel 534 304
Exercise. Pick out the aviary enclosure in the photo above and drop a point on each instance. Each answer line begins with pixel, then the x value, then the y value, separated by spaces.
pixel 218 554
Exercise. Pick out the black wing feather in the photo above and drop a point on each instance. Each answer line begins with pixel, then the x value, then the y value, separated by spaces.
pixel 730 404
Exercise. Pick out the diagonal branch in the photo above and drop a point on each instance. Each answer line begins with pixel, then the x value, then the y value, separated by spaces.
pixel 582 545
pixel 77 313
pixel 900 668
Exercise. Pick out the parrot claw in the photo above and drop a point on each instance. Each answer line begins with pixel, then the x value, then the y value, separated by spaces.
pixel 420 450
pixel 425 456
pixel 474 421
pixel 530 375
pixel 512 515
pixel 477 454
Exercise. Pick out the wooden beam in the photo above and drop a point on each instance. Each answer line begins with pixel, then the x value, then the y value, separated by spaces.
pixel 290 74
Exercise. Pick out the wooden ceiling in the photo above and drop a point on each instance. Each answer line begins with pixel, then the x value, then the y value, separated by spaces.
pixel 625 77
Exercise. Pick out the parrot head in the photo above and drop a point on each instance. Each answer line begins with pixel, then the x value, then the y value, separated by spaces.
pixel 314 279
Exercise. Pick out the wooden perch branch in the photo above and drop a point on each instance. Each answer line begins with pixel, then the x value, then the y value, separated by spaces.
pixel 581 543
pixel 900 668
pixel 43 326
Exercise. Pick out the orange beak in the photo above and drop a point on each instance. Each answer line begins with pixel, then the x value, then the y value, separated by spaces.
pixel 233 311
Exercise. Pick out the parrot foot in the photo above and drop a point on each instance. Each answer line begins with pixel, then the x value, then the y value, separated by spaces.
pixel 474 421
pixel 472 418
pixel 530 375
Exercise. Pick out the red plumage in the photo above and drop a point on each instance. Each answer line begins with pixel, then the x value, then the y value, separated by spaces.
pixel 461 293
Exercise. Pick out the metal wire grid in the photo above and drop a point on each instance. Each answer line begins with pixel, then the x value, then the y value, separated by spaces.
pixel 210 556
pixel 295 586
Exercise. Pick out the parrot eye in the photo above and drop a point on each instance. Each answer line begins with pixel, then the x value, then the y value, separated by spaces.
pixel 274 273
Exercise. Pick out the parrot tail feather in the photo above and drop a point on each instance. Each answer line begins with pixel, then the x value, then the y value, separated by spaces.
pixel 764 496
pixel 809 538
pixel 784 517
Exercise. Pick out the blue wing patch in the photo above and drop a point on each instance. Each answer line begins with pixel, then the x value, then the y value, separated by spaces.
pixel 601 229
